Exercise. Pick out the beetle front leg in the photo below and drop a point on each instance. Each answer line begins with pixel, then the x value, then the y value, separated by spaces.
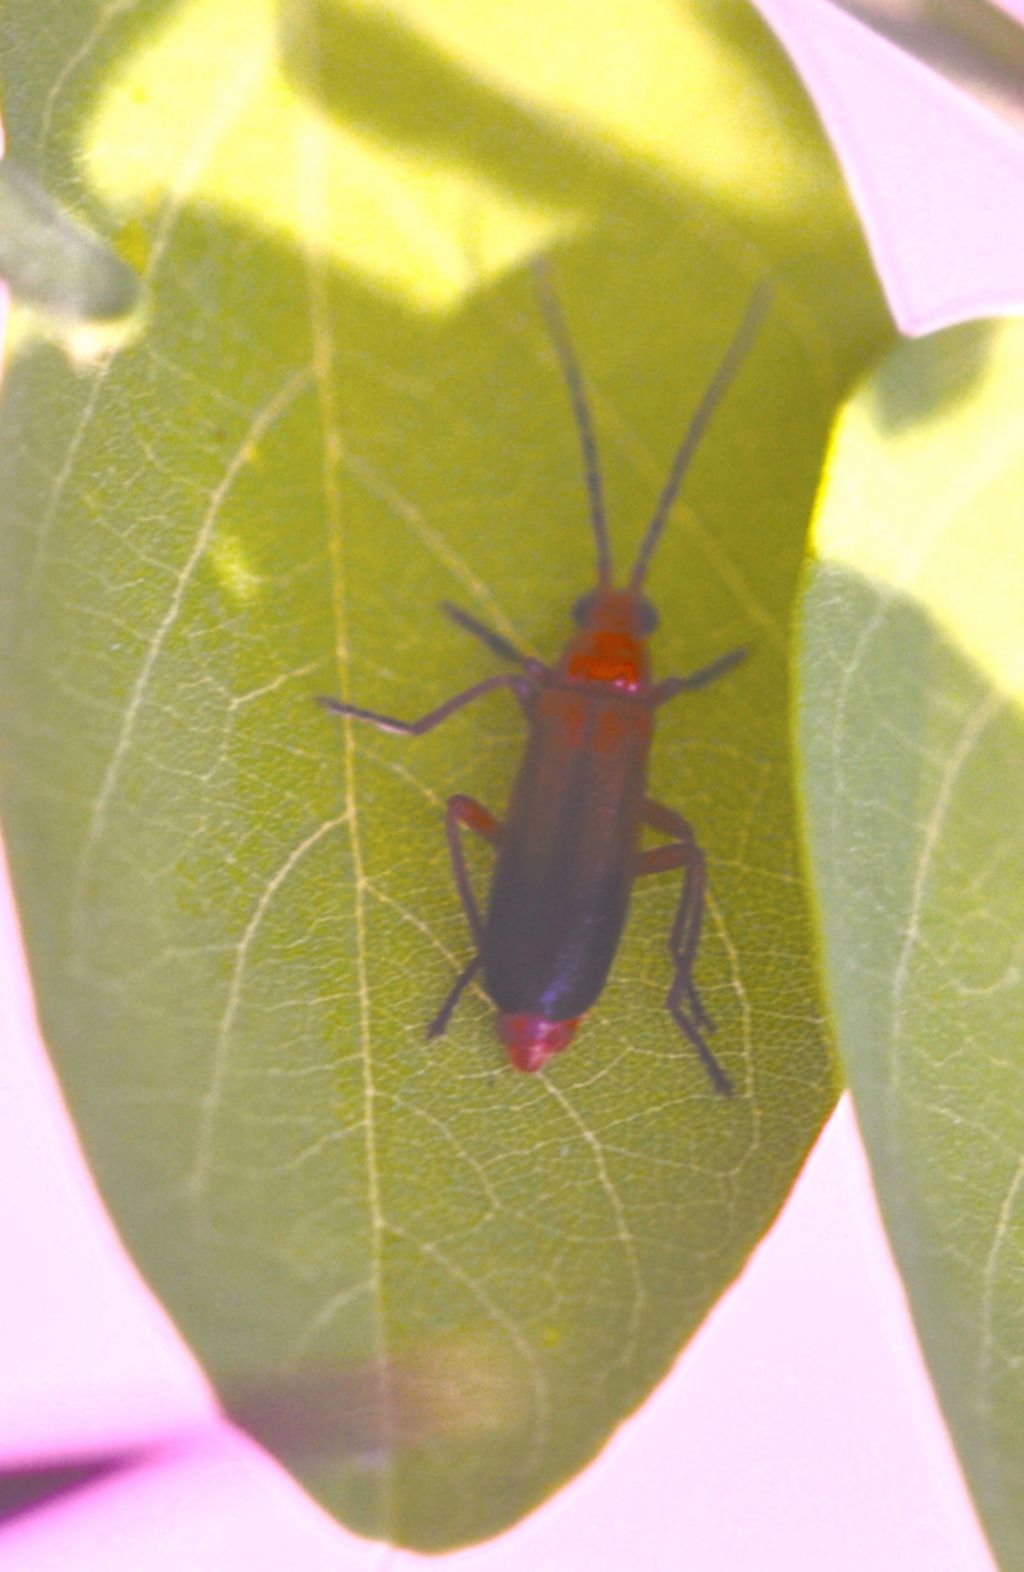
pixel 497 643
pixel 521 686
pixel 670 686
pixel 464 811
pixel 684 938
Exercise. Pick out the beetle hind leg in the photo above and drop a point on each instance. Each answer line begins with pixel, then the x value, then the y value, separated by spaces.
pixel 682 1000
pixel 464 811
pixel 693 1023
pixel 439 1025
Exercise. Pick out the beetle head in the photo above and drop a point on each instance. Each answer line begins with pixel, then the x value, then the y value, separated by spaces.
pixel 615 611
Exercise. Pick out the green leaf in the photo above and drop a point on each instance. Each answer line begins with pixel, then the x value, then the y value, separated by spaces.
pixel 913 738
pixel 431 1284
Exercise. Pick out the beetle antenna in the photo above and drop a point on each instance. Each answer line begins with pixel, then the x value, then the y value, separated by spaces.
pixel 559 332
pixel 713 393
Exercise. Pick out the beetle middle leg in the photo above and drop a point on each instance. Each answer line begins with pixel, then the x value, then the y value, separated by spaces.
pixel 682 999
pixel 464 811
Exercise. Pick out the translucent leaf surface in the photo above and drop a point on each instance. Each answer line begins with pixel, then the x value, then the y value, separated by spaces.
pixel 432 1285
pixel 911 725
pixel 55 264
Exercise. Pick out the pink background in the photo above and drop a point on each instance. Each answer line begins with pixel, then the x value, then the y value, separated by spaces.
pixel 799 1430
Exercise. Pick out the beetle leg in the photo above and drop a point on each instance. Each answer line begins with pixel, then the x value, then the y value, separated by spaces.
pixel 439 1025
pixel 685 935
pixel 496 642
pixel 682 1000
pixel 462 810
pixel 670 686
pixel 506 679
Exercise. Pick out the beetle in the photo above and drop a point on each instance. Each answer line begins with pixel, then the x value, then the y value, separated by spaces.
pixel 569 848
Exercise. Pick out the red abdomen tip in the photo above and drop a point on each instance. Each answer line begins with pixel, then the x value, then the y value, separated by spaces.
pixel 530 1040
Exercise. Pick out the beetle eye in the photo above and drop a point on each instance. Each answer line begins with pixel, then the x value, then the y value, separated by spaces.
pixel 582 609
pixel 646 618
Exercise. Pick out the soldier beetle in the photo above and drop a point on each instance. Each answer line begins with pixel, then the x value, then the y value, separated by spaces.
pixel 569 848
